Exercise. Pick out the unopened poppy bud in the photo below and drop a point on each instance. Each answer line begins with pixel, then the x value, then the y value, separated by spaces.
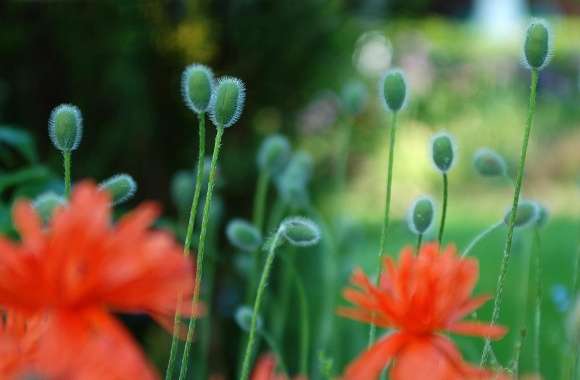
pixel 243 318
pixel 121 187
pixel 274 154
pixel 393 90
pixel 227 102
pixel 300 232
pixel 489 163
pixel 538 45
pixel 421 215
pixel 197 84
pixel 65 127
pixel 354 97
pixel 243 235
pixel 443 150
pixel 543 215
pixel 526 214
pixel 46 203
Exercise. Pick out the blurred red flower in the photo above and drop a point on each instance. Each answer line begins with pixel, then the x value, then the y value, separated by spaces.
pixel 68 277
pixel 422 297
pixel 266 369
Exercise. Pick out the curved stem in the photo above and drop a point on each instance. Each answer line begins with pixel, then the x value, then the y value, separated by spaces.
pixel 188 236
pixel 201 250
pixel 444 208
pixel 508 244
pixel 259 295
pixel 419 241
pixel 67 169
pixel 480 236
pixel 384 230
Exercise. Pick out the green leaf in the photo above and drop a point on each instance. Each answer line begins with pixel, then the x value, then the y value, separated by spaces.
pixel 20 140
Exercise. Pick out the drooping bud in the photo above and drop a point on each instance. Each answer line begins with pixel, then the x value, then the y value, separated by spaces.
pixel 421 215
pixel 243 318
pixel 121 187
pixel 65 127
pixel 393 90
pixel 227 102
pixel 538 45
pixel 197 83
pixel 526 214
pixel 300 232
pixel 46 203
pixel 543 215
pixel 274 154
pixel 243 235
pixel 489 163
pixel 443 151
pixel 354 97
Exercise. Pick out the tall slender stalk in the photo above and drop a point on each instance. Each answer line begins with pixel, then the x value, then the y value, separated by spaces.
pixel 508 245
pixel 384 230
pixel 260 200
pixel 419 241
pixel 66 155
pixel 188 236
pixel 201 250
pixel 257 303
pixel 444 208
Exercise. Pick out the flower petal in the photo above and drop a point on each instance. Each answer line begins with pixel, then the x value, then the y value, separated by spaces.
pixel 478 329
pixel 369 364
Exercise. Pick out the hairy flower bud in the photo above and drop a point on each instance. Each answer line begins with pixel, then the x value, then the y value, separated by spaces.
pixel 300 232
pixel 243 235
pixel 121 187
pixel 274 154
pixel 526 214
pixel 46 203
pixel 227 102
pixel 65 127
pixel 393 90
pixel 197 83
pixel 538 45
pixel 443 151
pixel 489 163
pixel 421 215
pixel 243 318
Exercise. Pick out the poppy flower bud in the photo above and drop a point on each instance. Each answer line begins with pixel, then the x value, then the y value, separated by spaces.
pixel 421 215
pixel 443 149
pixel 227 102
pixel 243 318
pixel 274 154
pixel 489 163
pixel 121 187
pixel 243 235
pixel 527 213
pixel 538 45
pixel 354 97
pixel 543 215
pixel 197 83
pixel 46 203
pixel 300 232
pixel 65 127
pixel 393 90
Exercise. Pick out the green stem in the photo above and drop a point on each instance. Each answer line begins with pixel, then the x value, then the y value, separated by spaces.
pixel 67 169
pixel 260 200
pixel 419 241
pixel 517 353
pixel 508 245
pixel 480 236
pixel 393 134
pixel 444 209
pixel 201 250
pixel 188 237
pixel 257 303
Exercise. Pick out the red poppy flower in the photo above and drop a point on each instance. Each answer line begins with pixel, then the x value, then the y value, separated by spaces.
pixel 266 369
pixel 73 273
pixel 421 298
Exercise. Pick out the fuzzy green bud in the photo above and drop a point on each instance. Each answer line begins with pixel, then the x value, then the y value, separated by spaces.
pixel 421 215
pixel 393 90
pixel 197 83
pixel 121 187
pixel 65 127
pixel 443 151
pixel 526 214
pixel 227 102
pixel 354 97
pixel 489 163
pixel 243 235
pixel 274 154
pixel 243 318
pixel 46 203
pixel 538 45
pixel 300 232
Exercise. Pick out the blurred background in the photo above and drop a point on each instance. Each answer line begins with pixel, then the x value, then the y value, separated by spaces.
pixel 120 61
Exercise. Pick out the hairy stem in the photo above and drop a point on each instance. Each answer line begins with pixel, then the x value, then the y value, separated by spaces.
pixel 66 155
pixel 384 230
pixel 444 209
pixel 201 250
pixel 510 233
